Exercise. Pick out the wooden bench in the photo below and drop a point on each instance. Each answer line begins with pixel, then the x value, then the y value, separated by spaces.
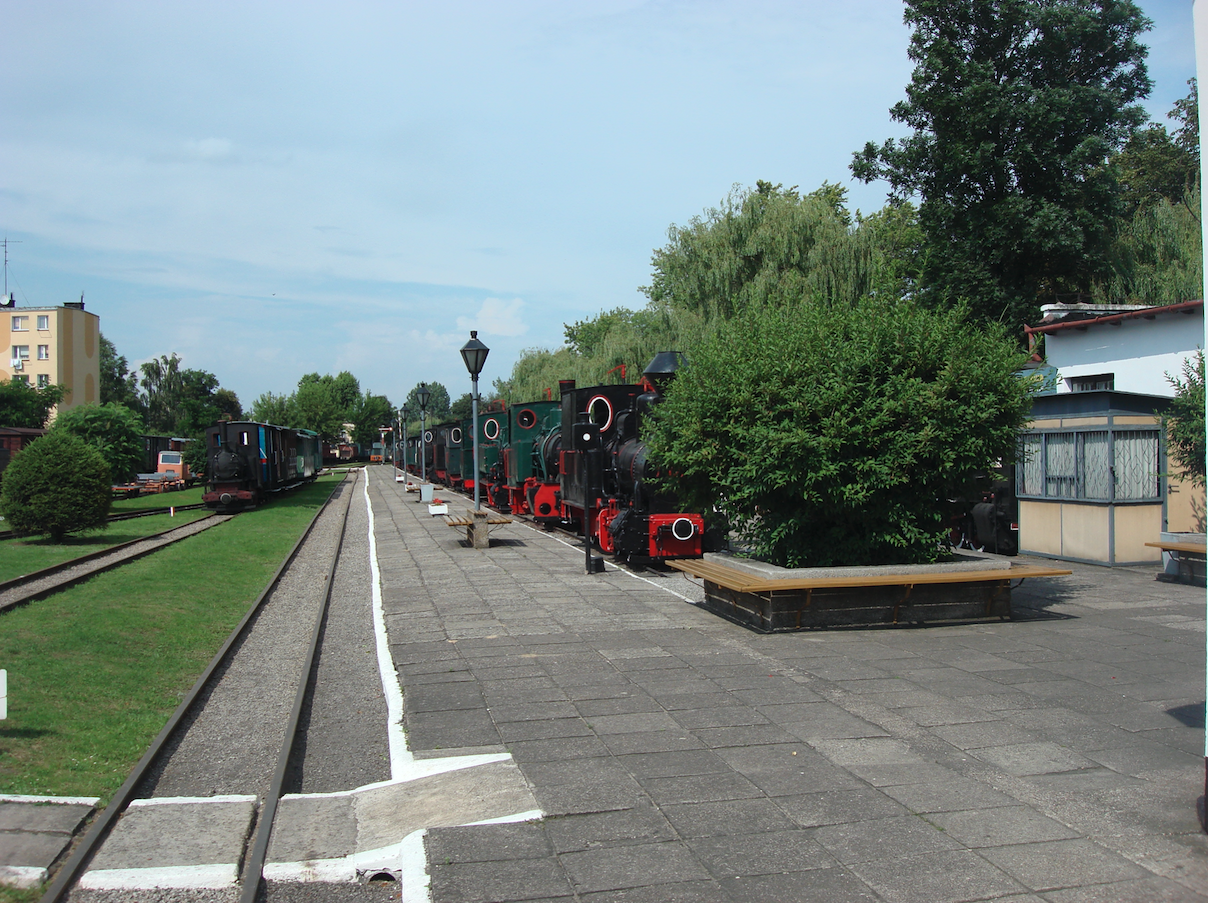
pixel 477 525
pixel 1191 558
pixel 798 601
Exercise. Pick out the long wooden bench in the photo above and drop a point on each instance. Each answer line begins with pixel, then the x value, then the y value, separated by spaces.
pixel 1191 560
pixel 796 602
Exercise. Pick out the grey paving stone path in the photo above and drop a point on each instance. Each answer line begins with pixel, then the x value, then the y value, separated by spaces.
pixel 679 757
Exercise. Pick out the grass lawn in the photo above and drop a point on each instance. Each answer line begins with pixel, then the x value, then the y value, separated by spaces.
pixel 24 556
pixel 159 500
pixel 94 672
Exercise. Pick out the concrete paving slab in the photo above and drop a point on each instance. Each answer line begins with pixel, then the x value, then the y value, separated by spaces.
pixel 1002 761
pixel 203 833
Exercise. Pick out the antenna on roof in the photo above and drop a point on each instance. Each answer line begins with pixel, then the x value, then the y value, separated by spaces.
pixel 8 299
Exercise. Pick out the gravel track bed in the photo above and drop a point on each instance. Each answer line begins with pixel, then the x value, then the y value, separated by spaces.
pixel 231 745
pixel 18 594
pixel 342 737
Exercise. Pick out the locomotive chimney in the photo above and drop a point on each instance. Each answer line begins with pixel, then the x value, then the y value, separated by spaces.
pixel 660 371
pixel 565 385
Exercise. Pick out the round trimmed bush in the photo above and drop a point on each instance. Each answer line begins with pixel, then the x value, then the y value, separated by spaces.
pixel 58 485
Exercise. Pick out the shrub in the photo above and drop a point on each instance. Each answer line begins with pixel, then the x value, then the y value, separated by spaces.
pixel 113 429
pixel 1185 423
pixel 57 485
pixel 830 435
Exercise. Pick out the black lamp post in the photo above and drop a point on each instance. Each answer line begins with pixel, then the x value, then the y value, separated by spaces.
pixel 474 353
pixel 422 395
pixel 402 431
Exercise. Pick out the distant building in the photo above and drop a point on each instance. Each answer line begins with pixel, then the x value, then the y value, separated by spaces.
pixel 1095 483
pixel 54 346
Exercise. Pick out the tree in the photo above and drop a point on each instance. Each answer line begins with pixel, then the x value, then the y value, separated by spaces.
pixel 59 484
pixel 1016 107
pixel 162 387
pixel 461 409
pixel 118 384
pixel 374 411
pixel 832 434
pixel 22 405
pixel 438 402
pixel 1185 423
pixel 274 409
pixel 112 429
pixel 315 407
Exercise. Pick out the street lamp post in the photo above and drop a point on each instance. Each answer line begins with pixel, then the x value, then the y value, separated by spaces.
pixel 474 353
pixel 402 429
pixel 422 395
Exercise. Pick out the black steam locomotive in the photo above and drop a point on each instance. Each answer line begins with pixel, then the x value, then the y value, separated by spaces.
pixel 246 460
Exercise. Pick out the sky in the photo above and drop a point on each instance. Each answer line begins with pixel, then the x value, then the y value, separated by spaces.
pixel 273 189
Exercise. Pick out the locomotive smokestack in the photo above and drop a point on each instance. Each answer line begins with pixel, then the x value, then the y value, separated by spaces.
pixel 565 385
pixel 661 370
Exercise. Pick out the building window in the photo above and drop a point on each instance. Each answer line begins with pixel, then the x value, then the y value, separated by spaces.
pixel 43 380
pixel 1103 382
pixel 44 321
pixel 20 324
pixel 22 379
pixel 43 352
pixel 20 352
pixel 1090 465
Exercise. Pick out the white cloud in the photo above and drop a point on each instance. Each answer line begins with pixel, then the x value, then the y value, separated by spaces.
pixel 496 317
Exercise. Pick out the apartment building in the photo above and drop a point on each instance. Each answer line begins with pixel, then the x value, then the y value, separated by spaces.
pixel 54 346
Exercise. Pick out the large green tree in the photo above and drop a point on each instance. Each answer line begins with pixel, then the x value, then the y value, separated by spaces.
pixel 118 383
pixel 315 407
pixel 371 412
pixel 1016 107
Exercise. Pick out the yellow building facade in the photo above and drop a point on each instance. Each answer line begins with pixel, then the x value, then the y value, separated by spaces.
pixel 48 346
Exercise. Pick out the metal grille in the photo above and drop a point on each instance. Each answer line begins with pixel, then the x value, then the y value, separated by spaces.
pixel 1060 466
pixel 1136 464
pixel 1029 475
pixel 1095 460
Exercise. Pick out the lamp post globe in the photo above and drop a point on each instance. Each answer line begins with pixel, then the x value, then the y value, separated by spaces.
pixel 474 353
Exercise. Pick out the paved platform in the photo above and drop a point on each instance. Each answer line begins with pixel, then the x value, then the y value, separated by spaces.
pixel 603 738
pixel 678 756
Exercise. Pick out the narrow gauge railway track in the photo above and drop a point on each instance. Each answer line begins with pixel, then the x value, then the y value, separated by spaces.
pixel 40 584
pixel 127 515
pixel 265 665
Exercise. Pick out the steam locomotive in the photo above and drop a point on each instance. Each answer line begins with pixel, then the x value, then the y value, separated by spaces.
pixel 246 461
pixel 576 460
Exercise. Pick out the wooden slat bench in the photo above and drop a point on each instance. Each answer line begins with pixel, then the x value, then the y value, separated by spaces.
pixel 477 527
pixel 797 602
pixel 1191 559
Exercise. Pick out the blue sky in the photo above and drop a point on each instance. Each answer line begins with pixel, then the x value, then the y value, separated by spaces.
pixel 270 189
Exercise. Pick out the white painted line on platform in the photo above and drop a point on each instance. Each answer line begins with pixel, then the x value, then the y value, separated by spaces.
pixel 414 880
pixel 530 815
pixel 56 800
pixel 400 756
pixel 418 768
pixel 193 800
pixel 22 875
pixel 180 876
pixel 579 547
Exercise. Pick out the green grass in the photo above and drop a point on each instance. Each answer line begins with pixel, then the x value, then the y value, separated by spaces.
pixel 94 672
pixel 18 895
pixel 24 556
pixel 159 500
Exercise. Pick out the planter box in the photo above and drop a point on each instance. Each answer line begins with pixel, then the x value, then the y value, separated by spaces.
pixel 768 598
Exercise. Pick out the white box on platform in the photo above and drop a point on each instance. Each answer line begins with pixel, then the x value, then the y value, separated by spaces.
pixel 442 508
